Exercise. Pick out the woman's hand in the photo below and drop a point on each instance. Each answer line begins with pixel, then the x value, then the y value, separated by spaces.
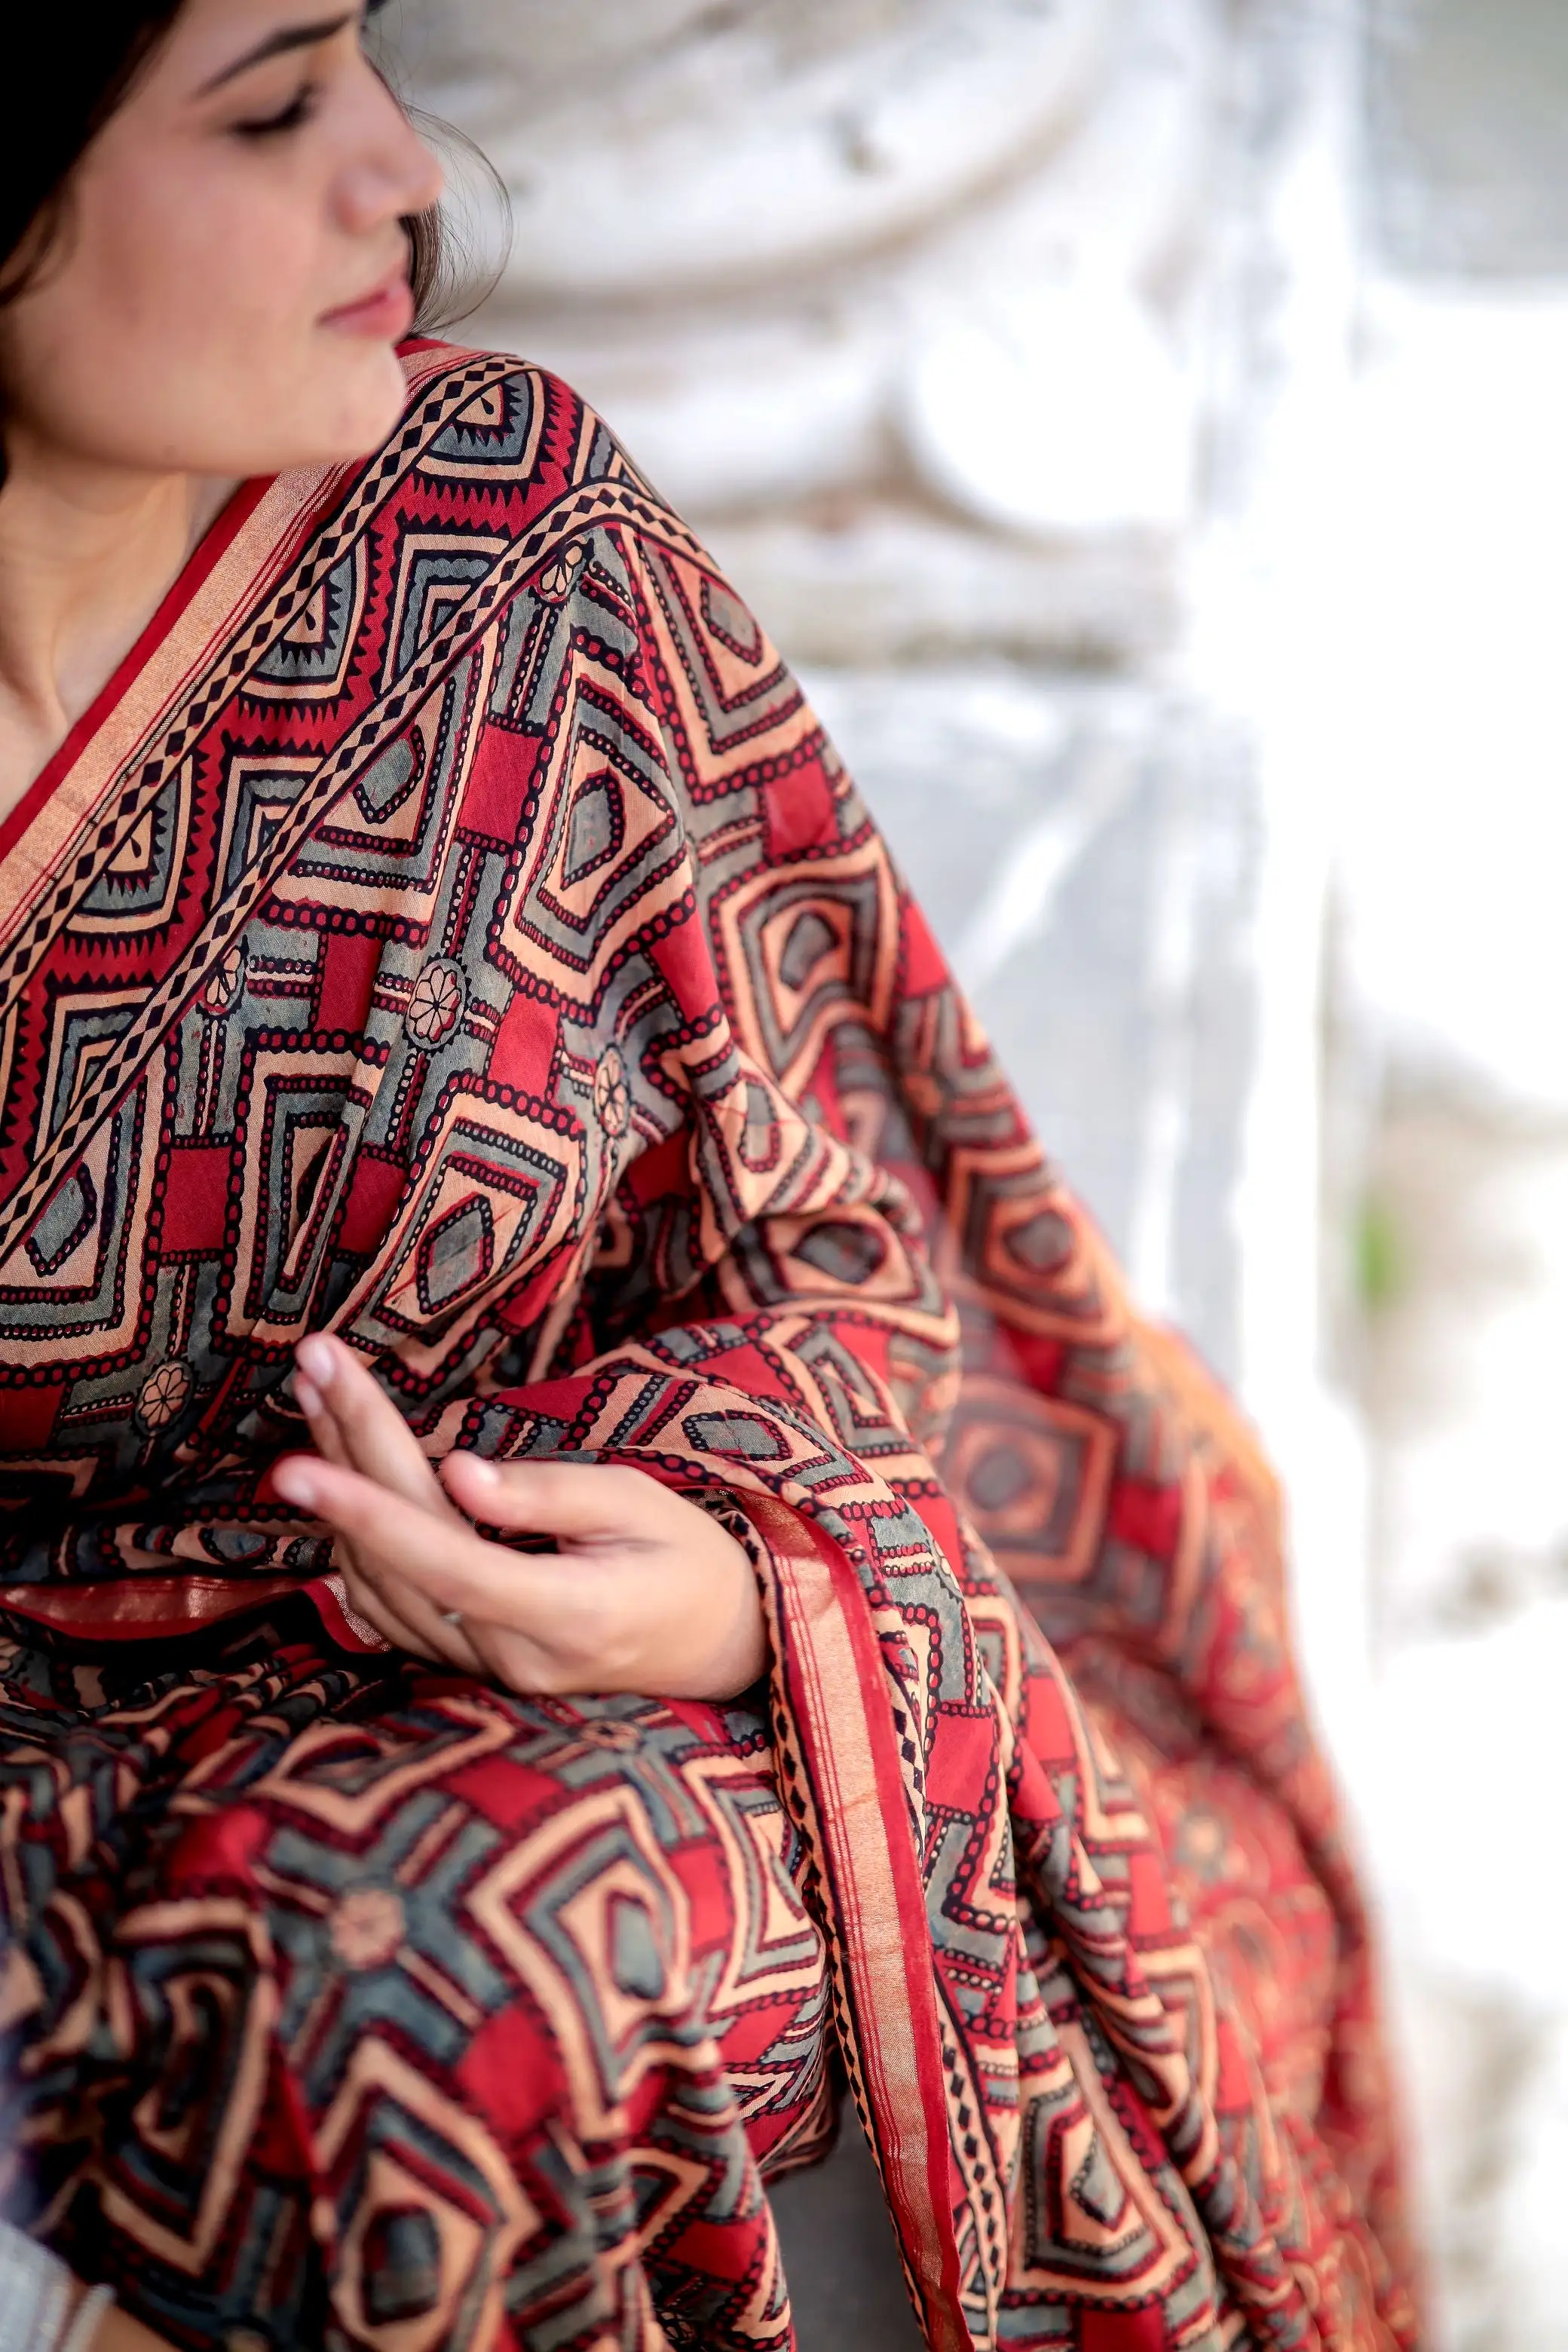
pixel 644 1590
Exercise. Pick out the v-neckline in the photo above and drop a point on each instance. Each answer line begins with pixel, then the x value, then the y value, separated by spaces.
pixel 237 549
pixel 247 548
pixel 201 554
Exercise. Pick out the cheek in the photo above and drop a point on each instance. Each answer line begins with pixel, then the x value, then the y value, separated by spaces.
pixel 208 267
pixel 183 334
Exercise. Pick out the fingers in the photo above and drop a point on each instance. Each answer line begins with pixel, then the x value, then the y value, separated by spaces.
pixel 385 1551
pixel 368 1601
pixel 372 1516
pixel 355 1424
pixel 322 1421
pixel 443 1559
pixel 576 1502
pixel 409 1622
pixel 646 1591
pixel 372 1469
pixel 649 1591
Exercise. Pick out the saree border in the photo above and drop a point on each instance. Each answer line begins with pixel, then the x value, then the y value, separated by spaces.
pixel 828 1659
pixel 123 1609
pixel 200 583
pixel 582 508
pixel 276 538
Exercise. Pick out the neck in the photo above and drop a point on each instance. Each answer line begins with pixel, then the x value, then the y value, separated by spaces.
pixel 87 551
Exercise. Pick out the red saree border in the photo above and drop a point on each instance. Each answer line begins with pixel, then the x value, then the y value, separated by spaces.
pixel 260 531
pixel 830 1661
pixel 256 537
pixel 162 1608
pixel 141 1608
pixel 214 545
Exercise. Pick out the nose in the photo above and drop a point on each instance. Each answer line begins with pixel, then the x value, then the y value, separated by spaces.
pixel 392 174
pixel 426 175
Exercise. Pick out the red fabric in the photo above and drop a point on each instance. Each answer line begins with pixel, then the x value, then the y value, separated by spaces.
pixel 484 956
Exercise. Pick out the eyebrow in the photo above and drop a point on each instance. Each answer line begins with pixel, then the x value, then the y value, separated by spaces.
pixel 278 44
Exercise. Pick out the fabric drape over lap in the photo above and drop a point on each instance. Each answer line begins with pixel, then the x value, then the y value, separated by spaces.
pixel 453 929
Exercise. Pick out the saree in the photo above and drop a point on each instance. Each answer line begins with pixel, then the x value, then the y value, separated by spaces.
pixel 453 931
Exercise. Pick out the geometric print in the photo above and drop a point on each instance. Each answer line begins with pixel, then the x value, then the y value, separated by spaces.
pixel 341 2168
pixel 459 935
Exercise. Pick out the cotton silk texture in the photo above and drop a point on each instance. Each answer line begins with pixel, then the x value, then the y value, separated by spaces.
pixel 453 931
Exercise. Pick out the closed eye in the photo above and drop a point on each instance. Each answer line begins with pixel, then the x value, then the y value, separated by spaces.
pixel 292 117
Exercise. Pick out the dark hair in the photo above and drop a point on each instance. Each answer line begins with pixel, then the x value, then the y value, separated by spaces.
pixel 66 107
pixel 74 81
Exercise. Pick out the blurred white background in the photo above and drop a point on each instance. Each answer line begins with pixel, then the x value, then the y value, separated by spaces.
pixel 1143 420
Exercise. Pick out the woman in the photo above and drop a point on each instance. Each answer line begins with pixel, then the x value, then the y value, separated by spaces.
pixel 503 1213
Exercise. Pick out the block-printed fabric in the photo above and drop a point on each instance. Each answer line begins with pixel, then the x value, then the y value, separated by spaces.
pixel 452 929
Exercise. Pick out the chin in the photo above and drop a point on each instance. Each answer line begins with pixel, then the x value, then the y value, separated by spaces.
pixel 359 410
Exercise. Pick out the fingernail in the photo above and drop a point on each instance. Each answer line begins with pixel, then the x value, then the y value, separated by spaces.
pixel 294 1481
pixel 483 1473
pixel 314 1356
pixel 307 1396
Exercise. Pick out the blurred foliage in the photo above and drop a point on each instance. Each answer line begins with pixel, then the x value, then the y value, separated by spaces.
pixel 1379 1262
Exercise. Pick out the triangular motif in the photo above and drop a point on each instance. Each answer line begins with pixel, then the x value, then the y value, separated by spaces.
pixel 495 433
pixel 136 884
pixel 313 655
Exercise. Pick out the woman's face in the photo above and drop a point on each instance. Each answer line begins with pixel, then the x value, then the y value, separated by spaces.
pixel 230 276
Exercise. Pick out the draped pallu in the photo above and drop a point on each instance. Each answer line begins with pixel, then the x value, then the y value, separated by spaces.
pixel 453 931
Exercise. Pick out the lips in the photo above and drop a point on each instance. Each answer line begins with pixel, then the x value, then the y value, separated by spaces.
pixel 385 314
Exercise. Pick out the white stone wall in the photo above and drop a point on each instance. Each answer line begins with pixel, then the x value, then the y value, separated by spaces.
pixel 898 298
